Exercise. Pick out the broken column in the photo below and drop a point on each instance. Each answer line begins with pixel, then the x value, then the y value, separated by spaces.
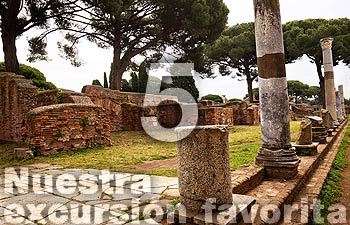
pixel 342 99
pixel 205 178
pixel 339 106
pixel 330 98
pixel 276 154
pixel 304 145
pixel 204 166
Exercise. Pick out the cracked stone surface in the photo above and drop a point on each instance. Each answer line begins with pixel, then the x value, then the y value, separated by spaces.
pixel 49 194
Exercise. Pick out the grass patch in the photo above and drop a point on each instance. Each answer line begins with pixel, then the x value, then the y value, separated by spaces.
pixel 134 147
pixel 332 190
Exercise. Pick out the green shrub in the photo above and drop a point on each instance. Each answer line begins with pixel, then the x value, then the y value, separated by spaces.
pixel 215 98
pixel 235 100
pixel 30 73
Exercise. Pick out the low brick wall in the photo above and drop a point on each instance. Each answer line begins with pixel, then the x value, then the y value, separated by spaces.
pixel 215 116
pixel 113 100
pixel 243 114
pixel 66 127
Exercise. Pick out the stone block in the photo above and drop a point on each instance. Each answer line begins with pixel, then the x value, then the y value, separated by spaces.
pixel 306 150
pixel 23 153
pixel 305 133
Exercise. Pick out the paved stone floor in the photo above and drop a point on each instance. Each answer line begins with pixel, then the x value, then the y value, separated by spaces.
pixel 47 194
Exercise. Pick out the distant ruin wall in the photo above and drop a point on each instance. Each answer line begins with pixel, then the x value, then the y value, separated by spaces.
pixel 66 127
pixel 112 101
pixel 45 98
pixel 215 116
pixel 243 114
pixel 17 97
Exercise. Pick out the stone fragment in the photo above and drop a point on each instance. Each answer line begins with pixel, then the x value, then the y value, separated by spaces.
pixel 23 153
pixel 305 133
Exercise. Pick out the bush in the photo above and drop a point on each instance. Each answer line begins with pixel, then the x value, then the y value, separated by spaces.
pixel 235 100
pixel 215 98
pixel 30 73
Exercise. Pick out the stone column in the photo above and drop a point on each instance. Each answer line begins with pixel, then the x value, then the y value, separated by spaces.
pixel 341 91
pixel 276 154
pixel 204 166
pixel 326 45
pixel 339 106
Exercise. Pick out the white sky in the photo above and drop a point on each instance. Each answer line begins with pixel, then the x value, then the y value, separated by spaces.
pixel 96 60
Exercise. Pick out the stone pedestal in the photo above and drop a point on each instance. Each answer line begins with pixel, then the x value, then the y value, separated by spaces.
pixel 306 150
pixel 319 132
pixel 204 166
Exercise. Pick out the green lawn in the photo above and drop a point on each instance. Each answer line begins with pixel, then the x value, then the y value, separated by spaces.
pixel 134 147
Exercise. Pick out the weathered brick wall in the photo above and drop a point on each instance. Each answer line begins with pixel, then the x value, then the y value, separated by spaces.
pixel 215 116
pixel 17 97
pixel 131 116
pixel 66 127
pixel 243 114
pixel 68 96
pixel 252 115
pixel 45 98
pixel 112 101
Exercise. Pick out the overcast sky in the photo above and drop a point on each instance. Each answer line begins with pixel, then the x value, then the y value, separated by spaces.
pixel 96 61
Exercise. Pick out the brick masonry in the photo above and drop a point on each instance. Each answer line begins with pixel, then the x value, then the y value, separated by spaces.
pixel 17 97
pixel 169 112
pixel 46 98
pixel 64 127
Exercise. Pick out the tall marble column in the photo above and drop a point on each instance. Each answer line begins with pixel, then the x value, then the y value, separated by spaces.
pixel 341 91
pixel 276 154
pixel 330 98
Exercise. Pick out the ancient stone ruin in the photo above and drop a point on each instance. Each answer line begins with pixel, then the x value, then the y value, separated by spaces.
pixel 46 126
pixel 304 144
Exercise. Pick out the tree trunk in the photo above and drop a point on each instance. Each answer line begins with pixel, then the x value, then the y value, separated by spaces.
pixel 250 88
pixel 117 69
pixel 322 88
pixel 249 81
pixel 10 51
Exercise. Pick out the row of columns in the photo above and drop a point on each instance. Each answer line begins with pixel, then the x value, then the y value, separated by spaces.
pixel 204 170
pixel 276 155
pixel 335 103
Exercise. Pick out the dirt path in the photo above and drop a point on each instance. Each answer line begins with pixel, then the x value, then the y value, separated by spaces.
pixel 157 165
pixel 345 184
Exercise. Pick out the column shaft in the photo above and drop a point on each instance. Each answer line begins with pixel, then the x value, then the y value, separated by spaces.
pixel 330 97
pixel 276 154
pixel 341 91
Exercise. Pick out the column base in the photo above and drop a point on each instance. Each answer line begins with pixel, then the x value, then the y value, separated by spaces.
pixel 279 163
pixel 306 150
